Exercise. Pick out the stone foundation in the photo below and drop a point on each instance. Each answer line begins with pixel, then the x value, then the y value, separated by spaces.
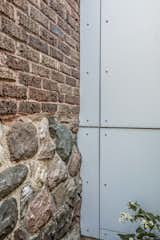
pixel 40 186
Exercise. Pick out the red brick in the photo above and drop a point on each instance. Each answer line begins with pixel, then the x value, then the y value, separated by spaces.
pixel 48 11
pixel 71 81
pixel 38 44
pixel 28 53
pixel 42 95
pixel 7 9
pixel 56 54
pixel 50 85
pixel 27 23
pixel 17 64
pixel 64 48
pixel 7 43
pixel 75 73
pixel 39 17
pixel 49 62
pixel 65 69
pixel 8 107
pixel 29 107
pixel 10 28
pixel 12 91
pixel 40 71
pixel 57 76
pixel 59 8
pixel 49 107
pixel 72 100
pixel 29 80
pixel 56 30
pixel 22 4
pixel 7 75
pixel 48 37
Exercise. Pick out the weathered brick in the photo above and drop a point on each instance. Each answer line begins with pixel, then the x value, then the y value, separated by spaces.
pixel 73 23
pixel 22 4
pixel 42 95
pixel 56 54
pixel 29 107
pixel 49 62
pixel 75 73
pixel 27 23
pixel 40 71
pixel 28 53
pixel 65 69
pixel 7 43
pixel 17 64
pixel 10 28
pixel 47 36
pixel 56 30
pixel 62 24
pixel 71 62
pixel 35 2
pixel 71 81
pixel 48 11
pixel 7 75
pixel 29 80
pixel 59 8
pixel 7 9
pixel 72 100
pixel 8 107
pixel 57 76
pixel 49 107
pixel 64 48
pixel 12 91
pixel 50 85
pixel 39 17
pixel 38 44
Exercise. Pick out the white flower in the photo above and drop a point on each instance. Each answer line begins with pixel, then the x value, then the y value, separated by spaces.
pixel 125 217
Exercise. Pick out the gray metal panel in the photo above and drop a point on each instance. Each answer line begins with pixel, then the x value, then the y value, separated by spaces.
pixel 90 54
pixel 131 63
pixel 130 166
pixel 88 140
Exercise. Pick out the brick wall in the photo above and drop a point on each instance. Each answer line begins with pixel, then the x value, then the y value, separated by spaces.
pixel 39 58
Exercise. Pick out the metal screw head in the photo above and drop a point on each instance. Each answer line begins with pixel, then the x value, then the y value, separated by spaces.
pixel 107 21
pixel 87 24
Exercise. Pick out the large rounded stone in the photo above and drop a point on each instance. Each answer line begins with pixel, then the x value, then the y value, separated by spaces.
pixel 39 211
pixel 8 217
pixel 63 138
pixel 22 141
pixel 11 178
pixel 57 173
pixel 74 162
pixel 47 151
pixel 20 234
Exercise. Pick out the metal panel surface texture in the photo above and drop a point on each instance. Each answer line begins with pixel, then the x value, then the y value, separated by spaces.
pixel 90 54
pixel 129 172
pixel 130 63
pixel 88 140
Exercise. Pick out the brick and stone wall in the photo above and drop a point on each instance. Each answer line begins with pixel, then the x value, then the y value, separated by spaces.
pixel 39 57
pixel 40 185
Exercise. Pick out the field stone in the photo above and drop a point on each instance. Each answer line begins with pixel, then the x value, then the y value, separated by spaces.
pixel 39 211
pixel 8 217
pixel 57 173
pixel 22 141
pixel 11 178
pixel 65 193
pixel 21 234
pixel 74 162
pixel 47 151
pixel 63 138
pixel 27 193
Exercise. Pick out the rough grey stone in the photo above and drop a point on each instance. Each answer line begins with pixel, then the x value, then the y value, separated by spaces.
pixel 11 178
pixel 65 192
pixel 21 234
pixel 57 173
pixel 8 217
pixel 63 218
pixel 74 234
pixel 63 138
pixel 27 192
pixel 22 141
pixel 47 151
pixel 74 162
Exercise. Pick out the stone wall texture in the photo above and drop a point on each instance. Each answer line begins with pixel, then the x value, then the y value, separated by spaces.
pixel 39 57
pixel 40 185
